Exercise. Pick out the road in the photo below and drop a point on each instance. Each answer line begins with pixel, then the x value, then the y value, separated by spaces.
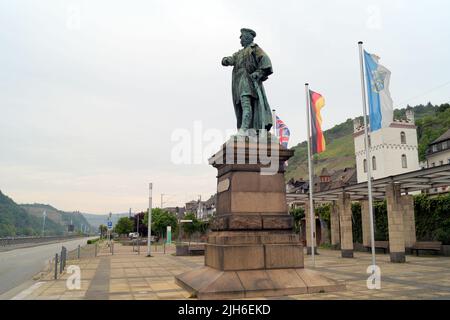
pixel 18 266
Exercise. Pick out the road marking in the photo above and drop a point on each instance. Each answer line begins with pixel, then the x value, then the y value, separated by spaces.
pixel 22 295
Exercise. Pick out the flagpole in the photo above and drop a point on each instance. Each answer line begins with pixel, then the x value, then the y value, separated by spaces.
pixel 367 147
pixel 274 120
pixel 311 182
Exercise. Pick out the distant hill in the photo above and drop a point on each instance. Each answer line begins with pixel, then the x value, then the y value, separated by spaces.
pixel 61 218
pixel 95 220
pixel 16 221
pixel 431 122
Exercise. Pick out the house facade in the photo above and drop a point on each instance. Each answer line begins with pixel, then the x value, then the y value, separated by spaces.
pixel 393 149
pixel 438 154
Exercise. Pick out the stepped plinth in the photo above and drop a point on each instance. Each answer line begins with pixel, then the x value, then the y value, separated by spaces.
pixel 251 250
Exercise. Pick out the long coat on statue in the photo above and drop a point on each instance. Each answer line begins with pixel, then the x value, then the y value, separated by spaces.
pixel 247 61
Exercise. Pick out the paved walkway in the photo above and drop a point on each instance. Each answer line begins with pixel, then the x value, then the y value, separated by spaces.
pixel 127 275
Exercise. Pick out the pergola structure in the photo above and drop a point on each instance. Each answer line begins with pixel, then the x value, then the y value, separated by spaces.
pixel 400 206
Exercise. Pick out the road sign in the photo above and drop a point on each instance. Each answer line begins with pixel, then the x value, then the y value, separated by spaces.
pixel 110 225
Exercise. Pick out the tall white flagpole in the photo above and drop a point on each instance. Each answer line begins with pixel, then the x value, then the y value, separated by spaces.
pixel 311 182
pixel 367 147
pixel 149 221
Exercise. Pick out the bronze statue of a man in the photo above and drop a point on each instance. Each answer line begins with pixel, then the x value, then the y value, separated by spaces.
pixel 251 66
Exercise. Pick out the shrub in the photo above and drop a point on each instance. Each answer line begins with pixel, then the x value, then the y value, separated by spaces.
pixel 92 241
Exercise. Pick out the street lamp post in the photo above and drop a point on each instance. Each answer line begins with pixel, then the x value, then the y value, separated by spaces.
pixel 44 215
pixel 149 221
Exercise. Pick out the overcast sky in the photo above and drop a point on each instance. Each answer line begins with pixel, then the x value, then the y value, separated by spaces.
pixel 91 92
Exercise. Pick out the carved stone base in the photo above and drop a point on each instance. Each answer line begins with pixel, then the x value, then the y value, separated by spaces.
pixel 251 250
pixel 208 283
pixel 247 250
pixel 397 257
pixel 308 251
pixel 346 253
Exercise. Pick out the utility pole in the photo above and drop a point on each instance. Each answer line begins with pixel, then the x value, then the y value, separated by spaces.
pixel 138 226
pixel 44 214
pixel 149 225
pixel 199 208
pixel 109 231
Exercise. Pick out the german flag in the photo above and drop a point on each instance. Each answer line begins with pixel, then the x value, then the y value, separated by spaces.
pixel 317 102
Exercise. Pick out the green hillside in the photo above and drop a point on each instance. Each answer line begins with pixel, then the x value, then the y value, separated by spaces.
pixel 61 218
pixel 95 220
pixel 432 121
pixel 15 221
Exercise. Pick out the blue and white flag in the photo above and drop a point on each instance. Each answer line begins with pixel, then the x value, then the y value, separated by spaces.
pixel 381 112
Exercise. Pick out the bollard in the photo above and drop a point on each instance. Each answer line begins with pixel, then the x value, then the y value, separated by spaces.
pixel 65 257
pixel 61 260
pixel 96 249
pixel 56 266
pixel 79 252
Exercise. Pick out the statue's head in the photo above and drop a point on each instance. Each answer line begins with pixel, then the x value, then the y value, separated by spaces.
pixel 247 36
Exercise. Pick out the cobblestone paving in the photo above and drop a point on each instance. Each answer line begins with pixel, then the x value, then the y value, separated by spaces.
pixel 127 275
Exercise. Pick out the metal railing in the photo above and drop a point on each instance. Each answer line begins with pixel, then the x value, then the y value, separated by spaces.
pixel 61 261
pixel 10 241
pixel 58 264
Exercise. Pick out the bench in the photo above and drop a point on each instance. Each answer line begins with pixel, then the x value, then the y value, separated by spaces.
pixel 196 250
pixel 434 246
pixel 380 245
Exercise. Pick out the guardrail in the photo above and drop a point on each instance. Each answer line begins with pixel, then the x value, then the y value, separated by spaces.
pixel 58 264
pixel 10 241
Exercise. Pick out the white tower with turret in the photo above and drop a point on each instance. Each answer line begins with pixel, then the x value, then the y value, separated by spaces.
pixel 393 149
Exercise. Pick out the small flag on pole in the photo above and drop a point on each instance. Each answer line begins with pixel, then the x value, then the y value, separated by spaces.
pixel 381 112
pixel 317 102
pixel 283 132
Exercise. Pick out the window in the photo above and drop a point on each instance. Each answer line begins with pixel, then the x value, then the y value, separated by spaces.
pixel 374 163
pixel 365 165
pixel 403 137
pixel 444 145
pixel 370 141
pixel 434 147
pixel 404 161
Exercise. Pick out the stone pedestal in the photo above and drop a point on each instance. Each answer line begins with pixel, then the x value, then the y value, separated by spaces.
pixel 365 219
pixel 345 221
pixel 402 231
pixel 335 229
pixel 251 250
pixel 409 222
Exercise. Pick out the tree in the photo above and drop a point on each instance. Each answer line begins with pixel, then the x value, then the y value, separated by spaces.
pixel 298 214
pixel 124 226
pixel 103 230
pixel 160 220
pixel 191 227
